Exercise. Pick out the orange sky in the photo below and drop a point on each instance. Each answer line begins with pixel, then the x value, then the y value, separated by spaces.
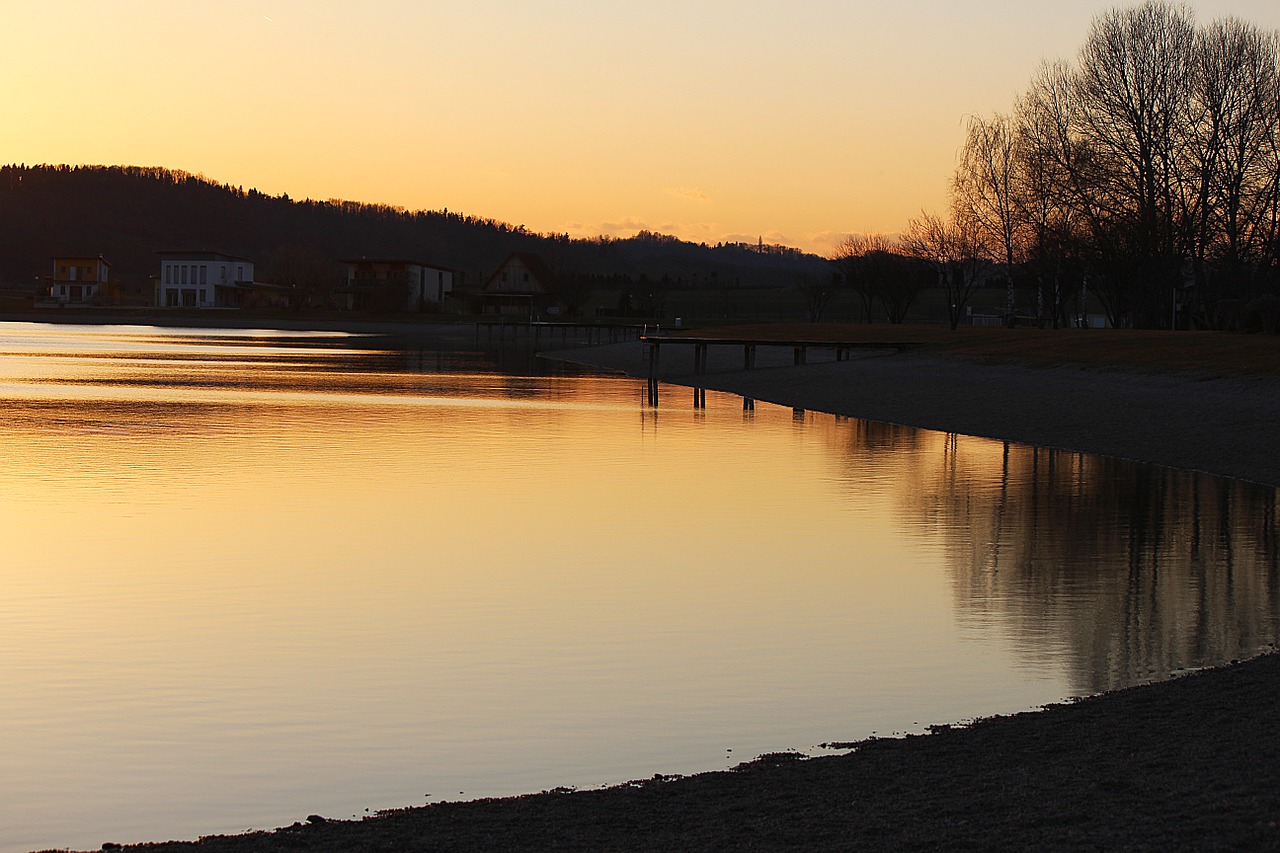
pixel 793 121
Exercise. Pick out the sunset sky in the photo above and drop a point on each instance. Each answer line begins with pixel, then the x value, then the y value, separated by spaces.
pixel 795 121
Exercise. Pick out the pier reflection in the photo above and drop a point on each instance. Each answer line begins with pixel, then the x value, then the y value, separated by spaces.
pixel 1129 572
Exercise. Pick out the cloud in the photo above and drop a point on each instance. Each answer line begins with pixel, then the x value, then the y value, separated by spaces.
pixel 629 226
pixel 770 238
pixel 827 239
pixel 689 194
pixel 822 242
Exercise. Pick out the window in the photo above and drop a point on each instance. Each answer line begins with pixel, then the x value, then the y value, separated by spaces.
pixel 239 273
pixel 171 298
pixel 203 295
pixel 184 273
pixel 204 276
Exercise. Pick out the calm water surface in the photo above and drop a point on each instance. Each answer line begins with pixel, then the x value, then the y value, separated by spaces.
pixel 247 577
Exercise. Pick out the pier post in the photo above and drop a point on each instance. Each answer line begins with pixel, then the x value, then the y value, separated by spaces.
pixel 699 358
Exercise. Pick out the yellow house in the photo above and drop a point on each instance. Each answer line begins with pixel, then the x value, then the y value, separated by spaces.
pixel 77 280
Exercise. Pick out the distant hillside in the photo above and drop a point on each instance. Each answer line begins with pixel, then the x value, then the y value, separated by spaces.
pixel 127 214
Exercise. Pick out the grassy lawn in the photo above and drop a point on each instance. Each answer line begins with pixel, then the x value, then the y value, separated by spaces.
pixel 1207 353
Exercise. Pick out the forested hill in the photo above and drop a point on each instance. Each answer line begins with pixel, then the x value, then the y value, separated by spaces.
pixel 127 214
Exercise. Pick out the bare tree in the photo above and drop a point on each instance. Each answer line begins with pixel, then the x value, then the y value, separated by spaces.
pixel 986 191
pixel 1050 201
pixel 1233 158
pixel 817 289
pixel 1133 84
pixel 903 278
pixel 955 252
pixel 860 259
pixel 1151 163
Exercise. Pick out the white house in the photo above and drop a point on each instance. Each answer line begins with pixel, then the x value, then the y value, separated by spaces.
pixel 201 279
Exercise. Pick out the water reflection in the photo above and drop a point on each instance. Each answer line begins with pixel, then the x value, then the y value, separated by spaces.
pixel 1124 571
pixel 247 583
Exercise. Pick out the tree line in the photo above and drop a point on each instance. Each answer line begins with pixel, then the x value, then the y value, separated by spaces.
pixel 1145 174
pixel 128 213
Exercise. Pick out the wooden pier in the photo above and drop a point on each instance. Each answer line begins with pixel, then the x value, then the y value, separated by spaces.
pixel 533 331
pixel 800 354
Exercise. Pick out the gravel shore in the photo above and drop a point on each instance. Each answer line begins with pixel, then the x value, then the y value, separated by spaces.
pixel 1190 763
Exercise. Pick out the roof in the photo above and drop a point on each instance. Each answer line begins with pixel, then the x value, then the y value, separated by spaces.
pixel 202 255
pixel 97 258
pixel 354 261
pixel 251 285
pixel 533 263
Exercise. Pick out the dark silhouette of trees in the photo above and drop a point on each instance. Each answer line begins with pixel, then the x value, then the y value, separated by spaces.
pixel 1150 165
pixel 956 253
pixel 129 213
pixel 818 289
pixel 309 275
pixel 904 279
pixel 859 259
pixel 875 270
pixel 986 192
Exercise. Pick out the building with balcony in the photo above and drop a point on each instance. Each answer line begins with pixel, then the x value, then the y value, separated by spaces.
pixel 78 280
pixel 390 284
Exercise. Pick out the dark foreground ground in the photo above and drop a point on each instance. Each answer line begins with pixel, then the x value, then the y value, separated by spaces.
pixel 1189 764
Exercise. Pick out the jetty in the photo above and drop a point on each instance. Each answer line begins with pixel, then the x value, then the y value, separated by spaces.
pixel 800 348
pixel 533 331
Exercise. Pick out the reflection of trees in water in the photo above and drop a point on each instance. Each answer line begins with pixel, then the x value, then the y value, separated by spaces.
pixel 1131 571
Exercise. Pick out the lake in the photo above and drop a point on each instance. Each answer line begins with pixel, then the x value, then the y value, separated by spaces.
pixel 250 575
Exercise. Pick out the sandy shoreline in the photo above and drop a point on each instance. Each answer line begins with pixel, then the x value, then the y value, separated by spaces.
pixel 1186 764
